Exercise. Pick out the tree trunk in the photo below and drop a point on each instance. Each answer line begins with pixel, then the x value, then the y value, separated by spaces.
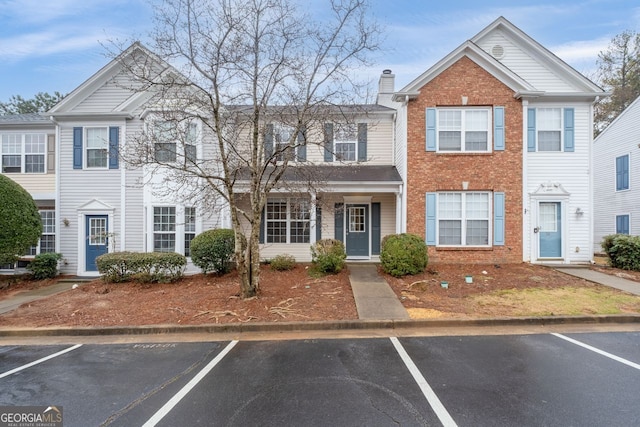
pixel 248 263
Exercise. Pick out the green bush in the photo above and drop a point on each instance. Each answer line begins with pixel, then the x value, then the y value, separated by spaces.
pixel 283 262
pixel 212 250
pixel 44 266
pixel 146 267
pixel 402 254
pixel 328 255
pixel 20 222
pixel 623 251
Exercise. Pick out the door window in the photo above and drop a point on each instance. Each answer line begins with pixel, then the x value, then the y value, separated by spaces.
pixel 357 219
pixel 548 217
pixel 97 231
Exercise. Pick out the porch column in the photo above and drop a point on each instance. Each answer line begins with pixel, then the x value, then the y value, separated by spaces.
pixel 312 219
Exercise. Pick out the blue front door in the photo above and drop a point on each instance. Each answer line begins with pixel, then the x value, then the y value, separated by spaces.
pixel 357 233
pixel 550 229
pixel 96 239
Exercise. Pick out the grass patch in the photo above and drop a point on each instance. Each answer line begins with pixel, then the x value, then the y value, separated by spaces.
pixel 567 301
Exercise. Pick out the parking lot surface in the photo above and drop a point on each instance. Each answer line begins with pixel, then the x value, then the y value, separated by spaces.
pixel 590 379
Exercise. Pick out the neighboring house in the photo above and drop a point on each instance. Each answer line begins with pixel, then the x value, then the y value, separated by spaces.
pixel 342 184
pixel 103 204
pixel 498 153
pixel 28 156
pixel 616 174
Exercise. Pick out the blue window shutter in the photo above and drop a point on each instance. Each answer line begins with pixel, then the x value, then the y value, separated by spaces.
pixel 328 142
pixel 431 219
pixel 531 129
pixel 622 173
pixel 77 148
pixel 302 147
pixel 114 147
pixel 498 219
pixel 261 237
pixel 339 222
pixel 498 128
pixel 375 228
pixel 569 132
pixel 318 223
pixel 362 142
pixel 431 129
pixel 268 142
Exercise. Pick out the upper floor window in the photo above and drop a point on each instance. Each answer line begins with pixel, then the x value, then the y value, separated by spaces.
pixel 281 143
pixel 622 173
pixel 96 147
pixel 550 129
pixel 175 141
pixel 23 153
pixel 346 142
pixel 463 130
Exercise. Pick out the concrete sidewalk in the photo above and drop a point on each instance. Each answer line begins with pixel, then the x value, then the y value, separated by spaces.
pixel 18 299
pixel 374 298
pixel 602 278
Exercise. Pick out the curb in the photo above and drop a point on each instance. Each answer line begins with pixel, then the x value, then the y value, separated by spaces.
pixel 341 325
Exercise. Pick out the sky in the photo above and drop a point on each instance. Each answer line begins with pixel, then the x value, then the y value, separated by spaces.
pixel 55 45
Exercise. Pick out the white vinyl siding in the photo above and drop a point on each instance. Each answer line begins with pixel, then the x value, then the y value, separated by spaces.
pixel 571 171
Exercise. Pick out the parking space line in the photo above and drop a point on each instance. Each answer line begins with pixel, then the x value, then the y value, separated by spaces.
pixel 44 359
pixel 162 412
pixel 438 407
pixel 597 350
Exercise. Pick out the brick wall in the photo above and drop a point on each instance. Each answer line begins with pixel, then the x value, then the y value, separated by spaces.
pixel 499 171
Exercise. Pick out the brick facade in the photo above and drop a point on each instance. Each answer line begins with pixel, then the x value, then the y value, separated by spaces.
pixel 499 171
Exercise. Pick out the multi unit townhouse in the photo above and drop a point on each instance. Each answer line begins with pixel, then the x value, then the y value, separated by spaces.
pixel 617 181
pixel 487 155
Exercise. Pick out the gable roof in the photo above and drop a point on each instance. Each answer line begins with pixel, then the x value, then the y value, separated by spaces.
pixel 622 117
pixel 65 107
pixel 523 89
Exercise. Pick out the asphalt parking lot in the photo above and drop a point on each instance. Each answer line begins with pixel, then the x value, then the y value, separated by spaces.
pixel 590 379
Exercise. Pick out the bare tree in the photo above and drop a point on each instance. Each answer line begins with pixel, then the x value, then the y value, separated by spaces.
pixel 244 64
pixel 619 72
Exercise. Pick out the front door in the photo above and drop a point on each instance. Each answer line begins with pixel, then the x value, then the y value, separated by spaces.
pixel 96 239
pixel 357 235
pixel 550 229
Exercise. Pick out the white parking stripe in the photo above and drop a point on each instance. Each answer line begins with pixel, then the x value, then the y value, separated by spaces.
pixel 44 359
pixel 597 350
pixel 438 407
pixel 155 419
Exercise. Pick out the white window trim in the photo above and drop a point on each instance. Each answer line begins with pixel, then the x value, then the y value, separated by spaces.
pixel 462 142
pixel 538 108
pixel 289 219
pixel 85 148
pixel 23 153
pixel 615 222
pixel 175 232
pixel 463 229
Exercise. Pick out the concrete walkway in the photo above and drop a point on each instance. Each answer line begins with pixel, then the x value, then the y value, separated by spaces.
pixel 374 298
pixel 602 278
pixel 18 299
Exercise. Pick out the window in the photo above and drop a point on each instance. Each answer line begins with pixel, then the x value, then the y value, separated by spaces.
pixel 287 220
pixel 549 129
pixel 97 147
pixel 48 237
pixel 164 229
pixel 622 224
pixel 463 130
pixel 345 138
pixel 282 138
pixel 189 229
pixel 622 173
pixel 23 153
pixel 173 141
pixel 463 219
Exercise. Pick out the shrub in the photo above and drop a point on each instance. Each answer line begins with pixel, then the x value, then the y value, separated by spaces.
pixel 402 254
pixel 623 251
pixel 20 222
pixel 328 255
pixel 44 266
pixel 283 262
pixel 212 250
pixel 145 267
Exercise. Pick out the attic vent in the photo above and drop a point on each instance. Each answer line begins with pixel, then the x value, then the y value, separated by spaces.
pixel 497 51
